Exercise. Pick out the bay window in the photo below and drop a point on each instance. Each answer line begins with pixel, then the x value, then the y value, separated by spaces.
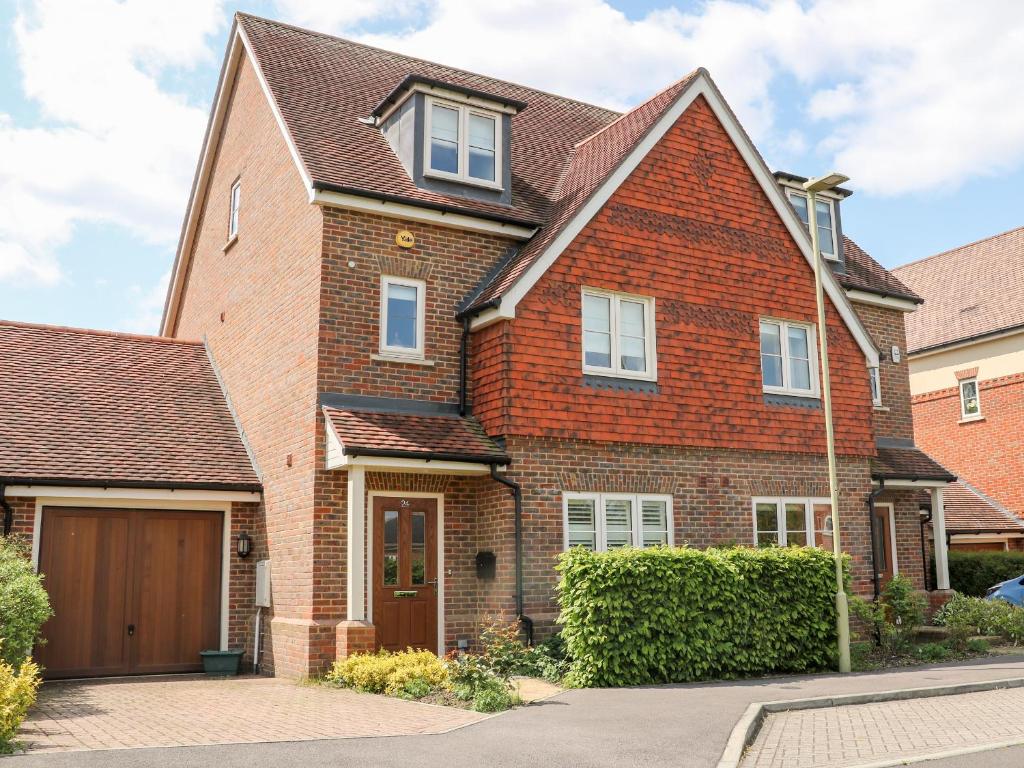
pixel 603 521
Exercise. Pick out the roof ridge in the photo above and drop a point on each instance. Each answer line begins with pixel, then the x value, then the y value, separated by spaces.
pixel 958 248
pixel 98 332
pixel 306 30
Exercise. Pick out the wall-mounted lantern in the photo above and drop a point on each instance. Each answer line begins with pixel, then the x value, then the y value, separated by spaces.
pixel 244 545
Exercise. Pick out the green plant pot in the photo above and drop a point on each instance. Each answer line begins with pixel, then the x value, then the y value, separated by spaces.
pixel 221 663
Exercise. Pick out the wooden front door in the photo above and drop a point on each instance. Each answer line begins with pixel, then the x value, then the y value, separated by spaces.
pixel 405 572
pixel 133 591
pixel 883 550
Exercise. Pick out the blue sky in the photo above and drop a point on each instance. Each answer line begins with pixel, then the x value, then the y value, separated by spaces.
pixel 103 104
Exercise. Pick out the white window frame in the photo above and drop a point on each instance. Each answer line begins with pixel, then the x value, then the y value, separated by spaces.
pixel 464 110
pixel 780 503
pixel 875 382
pixel 834 256
pixel 421 314
pixel 964 416
pixel 599 515
pixel 650 336
pixel 234 208
pixel 812 358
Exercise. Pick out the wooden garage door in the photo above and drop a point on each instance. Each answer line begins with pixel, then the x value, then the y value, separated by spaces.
pixel 133 591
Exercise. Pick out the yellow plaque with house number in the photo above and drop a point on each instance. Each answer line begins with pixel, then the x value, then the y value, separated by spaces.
pixel 404 239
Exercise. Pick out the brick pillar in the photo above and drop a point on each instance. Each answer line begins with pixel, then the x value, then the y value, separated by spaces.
pixel 355 637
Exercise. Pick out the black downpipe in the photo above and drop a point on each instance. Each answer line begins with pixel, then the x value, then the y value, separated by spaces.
pixel 875 493
pixel 517 499
pixel 924 554
pixel 8 512
pixel 464 366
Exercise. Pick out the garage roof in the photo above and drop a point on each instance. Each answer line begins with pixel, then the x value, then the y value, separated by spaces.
pixel 83 407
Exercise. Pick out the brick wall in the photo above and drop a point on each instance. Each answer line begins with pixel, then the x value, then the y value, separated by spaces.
pixel 257 304
pixel 886 326
pixel 692 228
pixel 986 452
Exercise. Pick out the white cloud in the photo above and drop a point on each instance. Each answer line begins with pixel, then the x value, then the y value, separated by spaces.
pixel 112 145
pixel 147 306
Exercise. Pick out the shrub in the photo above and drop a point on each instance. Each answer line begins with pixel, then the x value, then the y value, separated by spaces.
pixel 470 678
pixel 639 616
pixel 493 696
pixel 387 672
pixel 506 655
pixel 966 616
pixel 24 604
pixel 972 573
pixel 895 616
pixel 932 652
pixel 17 694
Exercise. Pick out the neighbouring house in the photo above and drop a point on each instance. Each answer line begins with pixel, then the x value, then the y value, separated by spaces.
pixel 463 324
pixel 966 350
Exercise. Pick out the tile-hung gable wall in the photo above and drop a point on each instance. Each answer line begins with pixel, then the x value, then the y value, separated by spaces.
pixel 692 228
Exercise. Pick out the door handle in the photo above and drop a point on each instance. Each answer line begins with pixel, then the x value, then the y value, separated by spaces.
pixel 433 583
pixel 131 630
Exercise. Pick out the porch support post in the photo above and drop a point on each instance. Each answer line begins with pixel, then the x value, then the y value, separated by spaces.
pixel 939 536
pixel 356 532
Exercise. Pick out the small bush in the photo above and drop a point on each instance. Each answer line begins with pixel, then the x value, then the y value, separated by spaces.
pixel 894 617
pixel 17 695
pixel 966 616
pixel 493 696
pixel 978 645
pixel 386 672
pixel 665 615
pixel 932 652
pixel 972 573
pixel 505 654
pixel 24 604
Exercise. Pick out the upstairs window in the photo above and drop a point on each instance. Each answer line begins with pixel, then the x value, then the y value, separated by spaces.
pixel 603 521
pixel 826 221
pixel 618 335
pixel 876 386
pixel 970 403
pixel 236 195
pixel 462 143
pixel 789 364
pixel 402 316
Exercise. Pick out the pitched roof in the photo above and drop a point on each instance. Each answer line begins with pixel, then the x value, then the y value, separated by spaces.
pixel 318 81
pixel 974 290
pixel 83 406
pixel 968 509
pixel 863 273
pixel 907 462
pixel 412 435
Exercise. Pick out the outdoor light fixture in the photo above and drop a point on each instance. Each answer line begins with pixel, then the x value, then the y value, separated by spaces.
pixel 244 545
pixel 822 184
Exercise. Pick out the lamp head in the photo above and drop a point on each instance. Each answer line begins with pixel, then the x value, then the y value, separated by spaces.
pixel 828 181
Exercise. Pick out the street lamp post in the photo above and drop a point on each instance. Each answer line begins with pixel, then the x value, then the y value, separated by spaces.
pixel 813 186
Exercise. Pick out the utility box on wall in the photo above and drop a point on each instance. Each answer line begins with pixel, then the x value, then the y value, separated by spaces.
pixel 485 565
pixel 263 584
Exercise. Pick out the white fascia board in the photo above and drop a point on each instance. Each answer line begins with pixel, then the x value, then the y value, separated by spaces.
pixel 492 316
pixel 874 300
pixel 211 143
pixel 900 484
pixel 701 86
pixel 419 466
pixel 412 212
pixel 136 494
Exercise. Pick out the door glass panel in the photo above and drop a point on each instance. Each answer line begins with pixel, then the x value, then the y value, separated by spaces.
pixel 881 521
pixel 823 526
pixel 618 522
pixel 582 527
pixel 796 525
pixel 767 524
pixel 419 548
pixel 390 548
pixel 654 515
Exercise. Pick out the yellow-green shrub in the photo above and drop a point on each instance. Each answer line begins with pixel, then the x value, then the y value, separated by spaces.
pixel 17 694
pixel 386 672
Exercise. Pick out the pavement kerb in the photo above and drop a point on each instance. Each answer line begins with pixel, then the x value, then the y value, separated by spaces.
pixel 748 726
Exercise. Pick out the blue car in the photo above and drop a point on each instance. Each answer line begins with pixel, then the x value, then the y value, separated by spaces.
pixel 1011 590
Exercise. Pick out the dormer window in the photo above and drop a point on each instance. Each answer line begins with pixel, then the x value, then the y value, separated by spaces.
pixel 826 221
pixel 462 143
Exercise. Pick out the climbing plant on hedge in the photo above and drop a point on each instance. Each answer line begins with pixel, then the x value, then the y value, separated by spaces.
pixel 667 615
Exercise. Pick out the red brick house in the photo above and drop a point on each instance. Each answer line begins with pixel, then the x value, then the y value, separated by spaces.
pixel 464 324
pixel 966 350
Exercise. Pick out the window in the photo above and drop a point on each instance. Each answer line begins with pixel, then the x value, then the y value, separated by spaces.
pixel 618 335
pixel 876 386
pixel 970 404
pixel 462 143
pixel 605 521
pixel 789 363
pixel 792 522
pixel 402 316
pixel 236 194
pixel 826 221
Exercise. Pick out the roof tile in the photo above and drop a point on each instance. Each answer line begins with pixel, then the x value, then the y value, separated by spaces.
pixel 863 273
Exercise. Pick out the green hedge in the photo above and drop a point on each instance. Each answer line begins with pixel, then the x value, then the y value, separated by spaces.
pixel 972 573
pixel 24 604
pixel 667 615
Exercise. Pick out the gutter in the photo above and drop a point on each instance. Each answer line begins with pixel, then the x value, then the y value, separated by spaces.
pixel 390 453
pixel 8 511
pixel 517 499
pixel 92 483
pixel 875 493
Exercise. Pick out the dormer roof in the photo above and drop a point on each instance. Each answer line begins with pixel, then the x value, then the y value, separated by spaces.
pixel 473 95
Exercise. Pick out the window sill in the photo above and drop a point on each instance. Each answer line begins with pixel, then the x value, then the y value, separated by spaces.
pixel 970 419
pixel 230 243
pixel 469 180
pixel 881 408
pixel 792 401
pixel 622 383
pixel 402 359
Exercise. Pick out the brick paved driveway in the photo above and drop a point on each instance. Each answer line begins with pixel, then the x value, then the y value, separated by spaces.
pixel 875 734
pixel 161 712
